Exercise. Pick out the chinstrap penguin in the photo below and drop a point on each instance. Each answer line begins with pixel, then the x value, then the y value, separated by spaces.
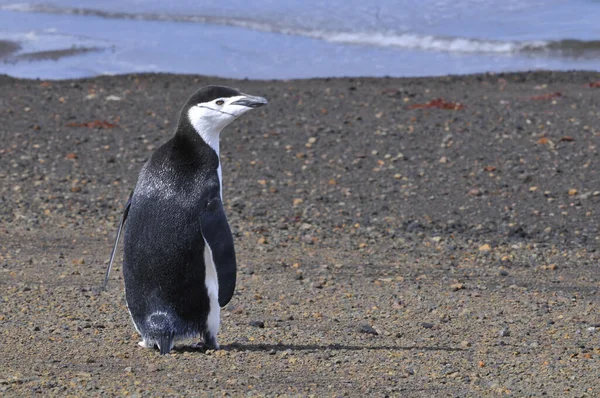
pixel 179 261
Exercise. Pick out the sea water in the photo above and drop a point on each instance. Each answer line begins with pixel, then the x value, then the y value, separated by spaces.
pixel 296 38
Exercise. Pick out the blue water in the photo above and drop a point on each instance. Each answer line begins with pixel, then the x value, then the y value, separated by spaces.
pixel 299 39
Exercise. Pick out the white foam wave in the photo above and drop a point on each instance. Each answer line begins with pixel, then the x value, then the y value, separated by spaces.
pixel 410 41
pixel 414 41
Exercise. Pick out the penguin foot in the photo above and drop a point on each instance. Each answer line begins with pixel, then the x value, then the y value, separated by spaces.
pixel 210 342
pixel 143 344
pixel 198 346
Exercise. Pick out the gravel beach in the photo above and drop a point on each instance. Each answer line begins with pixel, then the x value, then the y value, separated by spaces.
pixel 395 237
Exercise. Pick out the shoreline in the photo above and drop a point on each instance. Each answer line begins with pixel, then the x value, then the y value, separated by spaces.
pixel 399 236
pixel 523 74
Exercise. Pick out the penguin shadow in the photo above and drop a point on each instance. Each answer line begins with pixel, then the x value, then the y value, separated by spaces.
pixel 316 347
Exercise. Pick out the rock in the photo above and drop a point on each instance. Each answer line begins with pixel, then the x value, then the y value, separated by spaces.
pixel 406 372
pixel 427 325
pixel 457 286
pixel 258 324
pixel 368 329
pixel 152 367
pixel 485 248
pixel 504 332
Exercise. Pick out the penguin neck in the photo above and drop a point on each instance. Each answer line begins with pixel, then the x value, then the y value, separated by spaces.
pixel 209 135
pixel 207 128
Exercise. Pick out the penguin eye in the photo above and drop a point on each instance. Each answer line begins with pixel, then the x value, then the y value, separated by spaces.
pixel 220 102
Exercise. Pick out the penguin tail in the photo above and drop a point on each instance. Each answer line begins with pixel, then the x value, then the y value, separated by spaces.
pixel 165 343
pixel 161 331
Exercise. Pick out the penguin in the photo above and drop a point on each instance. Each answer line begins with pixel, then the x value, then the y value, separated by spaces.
pixel 179 262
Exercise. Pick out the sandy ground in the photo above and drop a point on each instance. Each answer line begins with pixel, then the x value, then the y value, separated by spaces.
pixel 386 247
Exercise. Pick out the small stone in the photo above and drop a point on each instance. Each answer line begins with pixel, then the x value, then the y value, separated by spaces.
pixel 504 333
pixel 503 272
pixel 368 329
pixel 465 344
pixel 113 98
pixel 485 248
pixel 427 325
pixel 153 367
pixel 407 372
pixel 572 192
pixel 258 324
pixel 457 286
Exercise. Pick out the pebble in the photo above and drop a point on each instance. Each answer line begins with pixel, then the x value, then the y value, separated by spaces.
pixel 368 329
pixel 504 332
pixel 485 248
pixel 257 324
pixel 406 372
pixel 457 286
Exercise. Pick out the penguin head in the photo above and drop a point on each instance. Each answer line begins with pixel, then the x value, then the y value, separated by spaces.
pixel 212 108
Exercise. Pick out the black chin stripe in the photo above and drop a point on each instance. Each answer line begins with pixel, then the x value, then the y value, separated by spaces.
pixel 216 110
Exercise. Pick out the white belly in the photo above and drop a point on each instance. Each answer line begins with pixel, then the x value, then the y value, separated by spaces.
pixel 212 287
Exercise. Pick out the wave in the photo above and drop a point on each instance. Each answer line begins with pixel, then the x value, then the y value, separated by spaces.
pixel 407 41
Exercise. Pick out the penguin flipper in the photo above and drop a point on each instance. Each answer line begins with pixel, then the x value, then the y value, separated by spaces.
pixel 217 235
pixel 114 250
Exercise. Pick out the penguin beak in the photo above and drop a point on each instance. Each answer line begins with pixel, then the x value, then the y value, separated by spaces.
pixel 250 101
